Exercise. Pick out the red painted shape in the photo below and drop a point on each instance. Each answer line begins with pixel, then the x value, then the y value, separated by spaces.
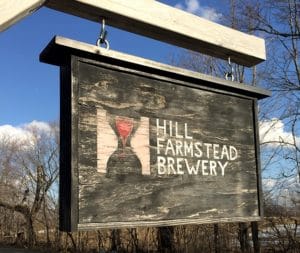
pixel 124 127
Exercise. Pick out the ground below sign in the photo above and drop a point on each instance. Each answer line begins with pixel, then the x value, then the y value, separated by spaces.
pixel 148 144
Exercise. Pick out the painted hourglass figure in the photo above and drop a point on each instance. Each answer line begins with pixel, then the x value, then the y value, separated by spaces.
pixel 123 161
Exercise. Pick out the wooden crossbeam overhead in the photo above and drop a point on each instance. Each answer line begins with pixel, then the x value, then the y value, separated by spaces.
pixel 12 11
pixel 165 23
pixel 153 19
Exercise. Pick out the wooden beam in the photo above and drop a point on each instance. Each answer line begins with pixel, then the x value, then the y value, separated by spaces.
pixel 171 25
pixel 55 53
pixel 12 11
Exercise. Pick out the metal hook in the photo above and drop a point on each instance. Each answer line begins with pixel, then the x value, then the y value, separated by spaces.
pixel 102 36
pixel 230 74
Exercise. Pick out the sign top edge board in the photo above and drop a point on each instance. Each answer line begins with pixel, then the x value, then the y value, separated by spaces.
pixel 59 49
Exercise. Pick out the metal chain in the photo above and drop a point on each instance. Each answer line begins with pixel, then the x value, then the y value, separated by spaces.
pixel 102 36
pixel 230 73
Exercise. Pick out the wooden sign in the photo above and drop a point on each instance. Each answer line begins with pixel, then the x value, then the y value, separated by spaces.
pixel 146 144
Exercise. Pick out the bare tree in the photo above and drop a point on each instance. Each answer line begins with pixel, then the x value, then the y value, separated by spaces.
pixel 34 161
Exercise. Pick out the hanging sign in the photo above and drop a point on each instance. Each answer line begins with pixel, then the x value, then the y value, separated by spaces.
pixel 144 143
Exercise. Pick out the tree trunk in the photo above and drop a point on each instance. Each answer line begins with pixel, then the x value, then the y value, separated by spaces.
pixel 134 240
pixel 166 240
pixel 47 226
pixel 69 234
pixel 31 237
pixel 255 239
pixel 243 237
pixel 115 240
pixel 216 238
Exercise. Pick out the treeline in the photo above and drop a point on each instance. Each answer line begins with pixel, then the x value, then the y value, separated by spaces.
pixel 276 234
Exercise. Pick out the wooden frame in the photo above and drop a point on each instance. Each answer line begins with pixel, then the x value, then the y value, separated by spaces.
pixel 14 10
pixel 72 56
pixel 155 20
pixel 165 23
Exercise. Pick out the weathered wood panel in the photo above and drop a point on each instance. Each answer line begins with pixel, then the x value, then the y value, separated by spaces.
pixel 140 148
pixel 202 151
pixel 12 11
pixel 171 25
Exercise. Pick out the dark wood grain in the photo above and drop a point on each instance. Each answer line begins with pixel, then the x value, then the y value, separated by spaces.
pixel 170 121
pixel 211 118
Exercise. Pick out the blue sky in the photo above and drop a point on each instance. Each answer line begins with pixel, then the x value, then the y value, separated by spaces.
pixel 30 89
